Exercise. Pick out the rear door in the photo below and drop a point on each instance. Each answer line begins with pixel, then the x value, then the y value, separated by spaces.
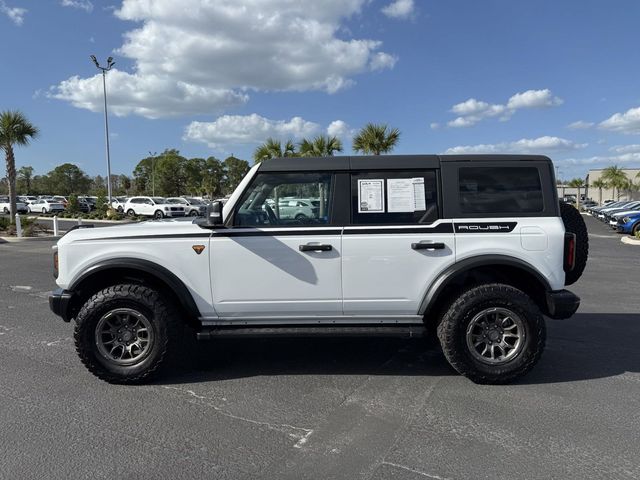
pixel 267 263
pixel 396 242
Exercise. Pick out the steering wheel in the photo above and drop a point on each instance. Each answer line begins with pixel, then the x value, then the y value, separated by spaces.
pixel 273 220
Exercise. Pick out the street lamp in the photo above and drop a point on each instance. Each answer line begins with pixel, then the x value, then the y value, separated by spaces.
pixel 110 63
pixel 153 172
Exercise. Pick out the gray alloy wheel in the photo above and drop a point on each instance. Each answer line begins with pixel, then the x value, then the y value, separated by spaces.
pixel 124 336
pixel 158 215
pixel 44 210
pixel 131 213
pixel 495 335
pixel 193 213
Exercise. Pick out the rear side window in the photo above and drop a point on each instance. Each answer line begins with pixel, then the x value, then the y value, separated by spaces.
pixel 500 190
pixel 394 198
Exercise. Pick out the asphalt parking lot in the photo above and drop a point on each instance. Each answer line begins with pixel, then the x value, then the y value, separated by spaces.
pixel 325 408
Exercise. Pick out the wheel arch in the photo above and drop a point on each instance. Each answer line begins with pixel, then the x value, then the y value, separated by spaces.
pixel 118 270
pixel 484 269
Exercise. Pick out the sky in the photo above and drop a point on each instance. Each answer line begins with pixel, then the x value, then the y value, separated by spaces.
pixel 217 77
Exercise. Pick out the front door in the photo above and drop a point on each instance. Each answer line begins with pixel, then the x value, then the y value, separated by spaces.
pixel 267 263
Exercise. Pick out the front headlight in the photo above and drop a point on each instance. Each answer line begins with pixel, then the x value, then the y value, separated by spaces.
pixel 166 209
pixel 626 220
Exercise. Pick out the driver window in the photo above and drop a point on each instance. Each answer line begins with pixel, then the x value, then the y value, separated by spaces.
pixel 285 199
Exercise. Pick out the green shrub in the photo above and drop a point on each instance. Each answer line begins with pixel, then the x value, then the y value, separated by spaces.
pixel 4 223
pixel 73 206
pixel 101 205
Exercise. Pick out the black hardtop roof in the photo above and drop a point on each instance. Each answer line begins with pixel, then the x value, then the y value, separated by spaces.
pixel 383 162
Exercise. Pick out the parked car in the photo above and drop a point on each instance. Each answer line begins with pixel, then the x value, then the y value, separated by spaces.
pixel 156 207
pixel 192 206
pixel 118 203
pixel 629 224
pixel 45 206
pixel 5 206
pixel 60 199
pixel 298 208
pixel 613 217
pixel 27 199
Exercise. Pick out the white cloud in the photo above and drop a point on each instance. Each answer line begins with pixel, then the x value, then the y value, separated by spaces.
pixel 580 125
pixel 544 144
pixel 473 111
pixel 340 129
pixel 233 48
pixel 15 14
pixel 147 96
pixel 626 148
pixel 231 130
pixel 399 9
pixel 85 5
pixel 534 99
pixel 605 160
pixel 434 125
pixel 628 122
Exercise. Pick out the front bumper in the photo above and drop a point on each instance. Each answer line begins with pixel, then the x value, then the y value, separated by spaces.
pixel 562 304
pixel 60 303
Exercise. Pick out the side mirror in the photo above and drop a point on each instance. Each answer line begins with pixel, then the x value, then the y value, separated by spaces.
pixel 214 214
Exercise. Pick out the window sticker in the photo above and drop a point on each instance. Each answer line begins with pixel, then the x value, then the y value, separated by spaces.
pixel 418 194
pixel 370 196
pixel 400 195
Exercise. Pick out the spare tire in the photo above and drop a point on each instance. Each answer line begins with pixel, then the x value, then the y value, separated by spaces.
pixel 574 223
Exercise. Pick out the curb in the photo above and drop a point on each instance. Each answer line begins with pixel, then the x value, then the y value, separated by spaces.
pixel 27 239
pixel 84 220
pixel 630 241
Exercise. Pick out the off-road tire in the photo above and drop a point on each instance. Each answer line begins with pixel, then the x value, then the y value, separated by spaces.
pixel 574 223
pixel 162 316
pixel 452 332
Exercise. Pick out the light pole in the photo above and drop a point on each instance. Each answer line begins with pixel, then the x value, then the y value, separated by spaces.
pixel 153 172
pixel 110 63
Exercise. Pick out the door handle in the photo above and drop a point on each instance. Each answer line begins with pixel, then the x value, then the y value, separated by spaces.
pixel 424 245
pixel 309 247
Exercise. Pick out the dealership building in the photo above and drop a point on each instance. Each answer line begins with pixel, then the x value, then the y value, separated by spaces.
pixel 607 193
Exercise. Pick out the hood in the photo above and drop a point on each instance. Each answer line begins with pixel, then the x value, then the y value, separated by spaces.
pixel 131 231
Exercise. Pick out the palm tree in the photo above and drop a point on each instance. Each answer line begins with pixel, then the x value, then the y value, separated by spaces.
pixel 615 177
pixel 375 139
pixel 599 184
pixel 272 148
pixel 577 183
pixel 15 129
pixel 320 146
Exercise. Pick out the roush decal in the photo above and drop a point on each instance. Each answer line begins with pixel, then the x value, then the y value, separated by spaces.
pixel 484 227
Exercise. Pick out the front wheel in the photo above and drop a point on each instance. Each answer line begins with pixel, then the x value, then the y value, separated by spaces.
pixel 131 213
pixel 123 333
pixel 193 213
pixel 5 210
pixel 44 210
pixel 492 334
pixel 158 215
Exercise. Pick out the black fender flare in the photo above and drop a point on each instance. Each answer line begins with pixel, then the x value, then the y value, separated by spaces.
pixel 159 272
pixel 447 275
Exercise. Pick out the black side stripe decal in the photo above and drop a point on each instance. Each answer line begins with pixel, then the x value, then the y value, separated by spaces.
pixel 271 233
pixel 440 228
pixel 485 227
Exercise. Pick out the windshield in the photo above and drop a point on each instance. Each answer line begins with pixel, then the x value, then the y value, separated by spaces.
pixel 159 199
pixel 195 201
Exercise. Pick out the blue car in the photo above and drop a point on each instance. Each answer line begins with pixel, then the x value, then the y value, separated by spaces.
pixel 629 224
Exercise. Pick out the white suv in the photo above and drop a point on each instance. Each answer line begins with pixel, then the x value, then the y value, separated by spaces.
pixel 475 248
pixel 156 207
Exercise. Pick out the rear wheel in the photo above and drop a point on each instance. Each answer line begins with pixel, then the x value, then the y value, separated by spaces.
pixel 123 333
pixel 574 223
pixel 5 210
pixel 492 334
